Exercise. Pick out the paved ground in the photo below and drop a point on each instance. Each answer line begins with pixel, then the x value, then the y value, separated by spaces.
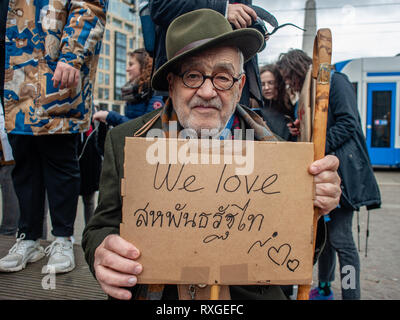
pixel 380 270
pixel 31 284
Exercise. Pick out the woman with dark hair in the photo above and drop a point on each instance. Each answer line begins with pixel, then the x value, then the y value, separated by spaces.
pixel 294 66
pixel 136 92
pixel 278 110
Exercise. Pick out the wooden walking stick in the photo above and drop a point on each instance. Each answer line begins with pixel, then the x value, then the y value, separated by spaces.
pixel 321 72
pixel 214 295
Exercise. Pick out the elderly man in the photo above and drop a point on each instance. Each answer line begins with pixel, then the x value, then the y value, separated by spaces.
pixel 204 77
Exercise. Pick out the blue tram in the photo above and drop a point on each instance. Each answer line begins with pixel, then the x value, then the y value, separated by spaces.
pixel 377 85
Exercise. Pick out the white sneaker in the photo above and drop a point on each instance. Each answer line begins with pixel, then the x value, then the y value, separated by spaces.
pixel 21 253
pixel 61 252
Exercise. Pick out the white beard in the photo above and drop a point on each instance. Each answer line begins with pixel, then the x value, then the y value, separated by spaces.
pixel 203 133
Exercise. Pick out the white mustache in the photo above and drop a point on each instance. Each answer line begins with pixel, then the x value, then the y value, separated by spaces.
pixel 213 103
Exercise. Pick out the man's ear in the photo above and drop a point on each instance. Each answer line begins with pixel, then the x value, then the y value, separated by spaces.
pixel 170 78
pixel 241 86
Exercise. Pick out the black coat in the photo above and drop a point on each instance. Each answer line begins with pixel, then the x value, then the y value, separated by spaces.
pixel 163 12
pixel 276 121
pixel 346 140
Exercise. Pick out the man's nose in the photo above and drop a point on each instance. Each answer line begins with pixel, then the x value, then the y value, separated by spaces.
pixel 207 90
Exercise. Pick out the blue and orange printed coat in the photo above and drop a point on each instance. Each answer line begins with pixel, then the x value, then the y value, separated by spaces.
pixel 39 34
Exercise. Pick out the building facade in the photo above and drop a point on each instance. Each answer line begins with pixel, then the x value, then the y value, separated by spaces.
pixel 123 34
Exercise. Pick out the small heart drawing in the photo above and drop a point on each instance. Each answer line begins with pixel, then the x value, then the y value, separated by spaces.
pixel 279 256
pixel 292 264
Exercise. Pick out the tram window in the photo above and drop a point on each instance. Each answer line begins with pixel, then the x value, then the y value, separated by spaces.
pixel 381 118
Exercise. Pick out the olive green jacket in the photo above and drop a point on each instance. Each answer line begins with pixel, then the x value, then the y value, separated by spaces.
pixel 108 214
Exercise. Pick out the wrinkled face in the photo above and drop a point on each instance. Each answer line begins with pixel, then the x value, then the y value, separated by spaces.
pixel 133 68
pixel 207 107
pixel 269 88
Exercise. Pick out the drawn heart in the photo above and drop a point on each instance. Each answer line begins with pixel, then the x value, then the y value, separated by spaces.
pixel 293 264
pixel 279 256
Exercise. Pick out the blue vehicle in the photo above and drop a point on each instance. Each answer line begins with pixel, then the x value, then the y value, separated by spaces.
pixel 377 85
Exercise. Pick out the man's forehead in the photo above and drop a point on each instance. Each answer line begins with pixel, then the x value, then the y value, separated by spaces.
pixel 221 57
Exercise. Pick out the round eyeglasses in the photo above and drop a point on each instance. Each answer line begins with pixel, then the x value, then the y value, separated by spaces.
pixel 221 80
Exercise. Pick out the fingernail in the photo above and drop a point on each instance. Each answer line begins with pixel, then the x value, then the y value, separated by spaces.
pixel 132 280
pixel 134 253
pixel 138 269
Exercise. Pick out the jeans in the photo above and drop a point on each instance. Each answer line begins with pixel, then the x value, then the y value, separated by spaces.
pixel 9 221
pixel 340 240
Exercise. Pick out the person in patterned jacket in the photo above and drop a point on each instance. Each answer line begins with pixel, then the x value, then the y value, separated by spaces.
pixel 52 49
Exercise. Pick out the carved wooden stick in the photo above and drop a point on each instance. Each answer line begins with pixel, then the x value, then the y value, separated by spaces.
pixel 320 71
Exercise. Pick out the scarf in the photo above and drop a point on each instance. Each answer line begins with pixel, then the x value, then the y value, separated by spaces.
pixel 241 115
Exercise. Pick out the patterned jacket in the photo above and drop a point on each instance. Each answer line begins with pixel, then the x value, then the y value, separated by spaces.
pixel 39 34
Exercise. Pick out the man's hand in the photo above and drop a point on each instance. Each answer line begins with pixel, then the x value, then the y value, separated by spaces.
pixel 67 75
pixel 115 266
pixel 100 116
pixel 240 15
pixel 327 183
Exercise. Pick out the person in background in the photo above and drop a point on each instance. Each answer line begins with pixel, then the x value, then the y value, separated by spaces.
pixel 344 139
pixel 52 50
pixel 137 92
pixel 90 160
pixel 278 110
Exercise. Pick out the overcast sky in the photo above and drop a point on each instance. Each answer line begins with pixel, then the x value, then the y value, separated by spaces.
pixel 360 28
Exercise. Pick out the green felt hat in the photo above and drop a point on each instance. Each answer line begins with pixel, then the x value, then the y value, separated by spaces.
pixel 203 29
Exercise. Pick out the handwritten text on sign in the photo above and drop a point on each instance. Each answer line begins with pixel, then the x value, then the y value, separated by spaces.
pixel 203 223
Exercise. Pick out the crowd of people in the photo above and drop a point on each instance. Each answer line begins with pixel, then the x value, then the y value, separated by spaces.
pixel 63 147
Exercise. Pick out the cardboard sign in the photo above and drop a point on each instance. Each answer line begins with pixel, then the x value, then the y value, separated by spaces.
pixel 216 218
